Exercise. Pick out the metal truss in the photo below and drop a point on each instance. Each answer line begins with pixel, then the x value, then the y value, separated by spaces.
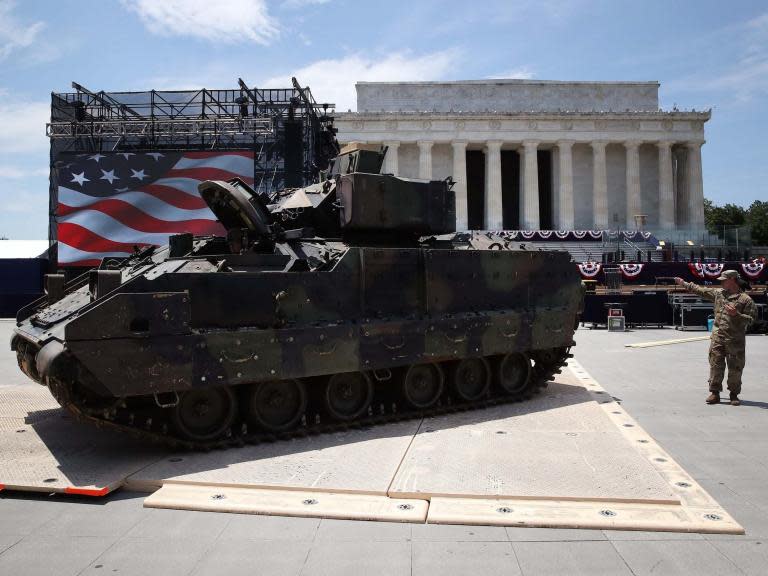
pixel 151 128
pixel 243 118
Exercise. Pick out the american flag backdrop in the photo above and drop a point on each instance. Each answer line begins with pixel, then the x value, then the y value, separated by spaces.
pixel 110 202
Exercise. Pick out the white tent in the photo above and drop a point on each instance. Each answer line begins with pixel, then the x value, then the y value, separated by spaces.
pixel 23 249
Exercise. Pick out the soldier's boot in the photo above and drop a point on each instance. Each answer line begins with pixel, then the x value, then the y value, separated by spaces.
pixel 716 371
pixel 735 368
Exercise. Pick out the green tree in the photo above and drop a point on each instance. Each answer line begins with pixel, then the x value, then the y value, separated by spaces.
pixel 709 208
pixel 757 219
pixel 717 218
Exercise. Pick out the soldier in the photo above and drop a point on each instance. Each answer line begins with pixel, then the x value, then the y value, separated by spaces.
pixel 734 311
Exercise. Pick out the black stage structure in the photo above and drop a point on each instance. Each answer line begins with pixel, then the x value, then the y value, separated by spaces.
pixel 292 136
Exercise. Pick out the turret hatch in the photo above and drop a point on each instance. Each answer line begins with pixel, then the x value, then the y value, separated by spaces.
pixel 235 205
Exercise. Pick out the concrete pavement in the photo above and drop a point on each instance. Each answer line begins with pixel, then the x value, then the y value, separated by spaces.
pixel 723 447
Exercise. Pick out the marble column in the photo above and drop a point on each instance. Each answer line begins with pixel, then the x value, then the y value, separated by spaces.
pixel 634 199
pixel 679 154
pixel 391 165
pixel 666 187
pixel 529 210
pixel 599 186
pixel 460 183
pixel 425 159
pixel 494 215
pixel 565 189
pixel 695 185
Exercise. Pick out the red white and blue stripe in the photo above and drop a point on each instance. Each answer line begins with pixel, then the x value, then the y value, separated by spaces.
pixel 109 203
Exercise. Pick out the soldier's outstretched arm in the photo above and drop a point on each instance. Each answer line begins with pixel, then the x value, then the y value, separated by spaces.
pixel 708 293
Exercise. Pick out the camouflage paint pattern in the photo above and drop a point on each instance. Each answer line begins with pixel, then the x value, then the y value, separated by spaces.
pixel 295 305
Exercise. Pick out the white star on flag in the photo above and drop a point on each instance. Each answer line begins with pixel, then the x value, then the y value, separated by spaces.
pixel 79 178
pixel 110 176
pixel 137 200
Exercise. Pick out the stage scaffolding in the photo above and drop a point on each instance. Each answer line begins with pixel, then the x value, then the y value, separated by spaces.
pixel 291 135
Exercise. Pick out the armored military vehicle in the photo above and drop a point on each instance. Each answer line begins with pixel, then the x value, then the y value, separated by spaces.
pixel 349 302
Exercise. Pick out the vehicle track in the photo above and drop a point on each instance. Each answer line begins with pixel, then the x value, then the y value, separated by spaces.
pixel 150 428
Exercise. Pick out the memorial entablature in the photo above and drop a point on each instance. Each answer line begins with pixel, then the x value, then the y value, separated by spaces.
pixel 541 155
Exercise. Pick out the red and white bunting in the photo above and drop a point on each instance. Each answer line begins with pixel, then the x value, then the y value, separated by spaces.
pixel 563 234
pixel 589 269
pixel 712 270
pixel 596 234
pixel 579 233
pixel 527 234
pixel 753 269
pixel 696 269
pixel 545 233
pixel 705 271
pixel 631 270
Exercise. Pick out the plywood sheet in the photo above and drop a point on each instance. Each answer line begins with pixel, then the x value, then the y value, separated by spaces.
pixel 560 445
pixel 685 488
pixel 666 342
pixel 287 503
pixel 362 461
pixel 575 514
pixel 43 449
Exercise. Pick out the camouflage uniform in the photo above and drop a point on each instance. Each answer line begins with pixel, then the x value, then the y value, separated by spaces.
pixel 728 335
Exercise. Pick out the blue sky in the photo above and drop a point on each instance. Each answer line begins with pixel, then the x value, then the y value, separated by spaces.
pixel 705 54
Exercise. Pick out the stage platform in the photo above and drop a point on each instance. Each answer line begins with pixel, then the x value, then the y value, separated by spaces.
pixel 572 457
pixel 657 306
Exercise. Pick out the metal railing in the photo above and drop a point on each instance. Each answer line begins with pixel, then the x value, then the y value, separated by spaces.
pixel 149 127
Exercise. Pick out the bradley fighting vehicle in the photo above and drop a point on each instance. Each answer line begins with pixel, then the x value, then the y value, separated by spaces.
pixel 348 302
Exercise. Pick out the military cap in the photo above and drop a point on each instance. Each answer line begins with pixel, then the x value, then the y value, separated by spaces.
pixel 729 274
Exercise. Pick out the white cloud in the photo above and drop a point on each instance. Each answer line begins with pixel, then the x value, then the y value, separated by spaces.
pixel 746 77
pixel 24 127
pixel 14 35
pixel 759 23
pixel 223 21
pixel 302 3
pixel 334 80
pixel 522 73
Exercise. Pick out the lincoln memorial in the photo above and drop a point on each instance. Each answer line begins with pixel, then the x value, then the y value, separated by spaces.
pixel 541 155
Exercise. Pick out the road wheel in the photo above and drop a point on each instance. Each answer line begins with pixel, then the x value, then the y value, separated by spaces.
pixel 348 395
pixel 423 385
pixel 470 378
pixel 277 405
pixel 513 373
pixel 204 414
